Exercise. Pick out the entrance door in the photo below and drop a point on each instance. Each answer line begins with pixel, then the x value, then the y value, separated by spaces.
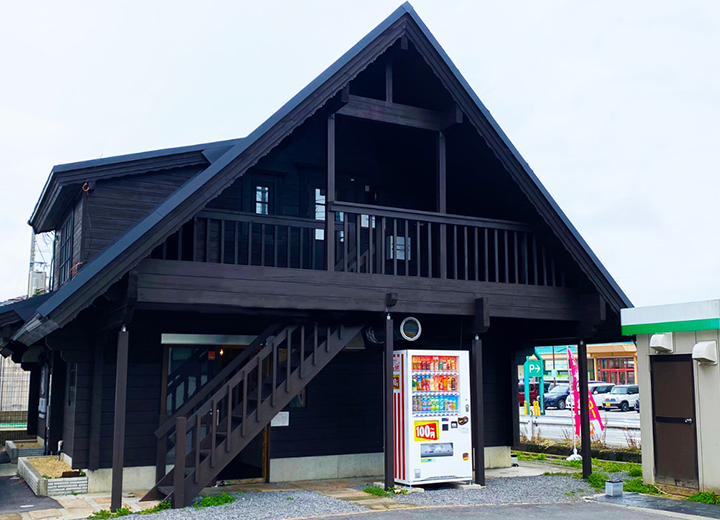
pixel 673 397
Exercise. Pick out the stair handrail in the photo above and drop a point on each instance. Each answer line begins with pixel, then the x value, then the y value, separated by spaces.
pixel 218 380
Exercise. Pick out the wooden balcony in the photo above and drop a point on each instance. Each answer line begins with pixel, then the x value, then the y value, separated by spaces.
pixel 435 263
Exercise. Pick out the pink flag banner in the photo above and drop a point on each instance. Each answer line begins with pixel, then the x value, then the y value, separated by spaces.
pixel 575 385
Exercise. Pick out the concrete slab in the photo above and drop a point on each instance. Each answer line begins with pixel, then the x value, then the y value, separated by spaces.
pixel 73 503
pixel 17 497
pixel 45 513
pixel 669 505
pixel 10 516
pixel 8 470
pixel 528 469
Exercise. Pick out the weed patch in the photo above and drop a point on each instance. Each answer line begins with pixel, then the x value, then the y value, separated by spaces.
pixel 162 506
pixel 597 480
pixel 705 498
pixel 214 500
pixel 636 486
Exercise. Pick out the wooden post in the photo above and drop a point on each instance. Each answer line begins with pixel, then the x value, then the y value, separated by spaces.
pixel 330 196
pixel 478 410
pixel 119 428
pixel 388 420
pixel 178 496
pixel 33 399
pixel 584 410
pixel 442 201
pixel 96 406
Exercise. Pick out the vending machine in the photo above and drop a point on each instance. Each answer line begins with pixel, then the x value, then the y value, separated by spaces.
pixel 433 440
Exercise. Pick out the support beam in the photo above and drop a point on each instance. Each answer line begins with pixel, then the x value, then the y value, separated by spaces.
pixel 584 410
pixel 119 427
pixel 478 410
pixel 388 418
pixel 398 114
pixel 96 406
pixel 330 196
pixel 33 400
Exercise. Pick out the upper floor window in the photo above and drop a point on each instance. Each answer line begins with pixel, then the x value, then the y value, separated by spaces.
pixel 262 199
pixel 63 249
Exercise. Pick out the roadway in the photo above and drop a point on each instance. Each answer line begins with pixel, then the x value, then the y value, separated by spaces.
pixel 557 425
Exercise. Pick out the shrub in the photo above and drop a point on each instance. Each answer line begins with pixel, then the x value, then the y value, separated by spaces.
pixel 635 471
pixel 597 480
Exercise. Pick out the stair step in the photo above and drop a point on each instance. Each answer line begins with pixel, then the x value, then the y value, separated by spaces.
pixel 205 453
pixel 165 490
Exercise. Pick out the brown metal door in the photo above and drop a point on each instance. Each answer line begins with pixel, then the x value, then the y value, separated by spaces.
pixel 673 397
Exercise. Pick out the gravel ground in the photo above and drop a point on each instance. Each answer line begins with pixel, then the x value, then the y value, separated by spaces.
pixel 543 489
pixel 261 506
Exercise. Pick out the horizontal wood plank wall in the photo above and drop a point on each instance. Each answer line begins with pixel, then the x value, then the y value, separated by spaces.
pixel 116 204
pixel 171 282
pixel 343 413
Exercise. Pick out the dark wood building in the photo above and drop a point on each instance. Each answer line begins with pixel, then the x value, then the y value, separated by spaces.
pixel 199 291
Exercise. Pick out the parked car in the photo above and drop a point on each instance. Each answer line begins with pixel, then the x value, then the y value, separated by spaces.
pixel 637 404
pixel 622 397
pixel 534 387
pixel 599 392
pixel 557 397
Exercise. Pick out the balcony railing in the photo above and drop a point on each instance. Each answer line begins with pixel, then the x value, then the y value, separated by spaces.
pixel 370 240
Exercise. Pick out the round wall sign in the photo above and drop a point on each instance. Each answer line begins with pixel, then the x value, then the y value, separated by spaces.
pixel 410 329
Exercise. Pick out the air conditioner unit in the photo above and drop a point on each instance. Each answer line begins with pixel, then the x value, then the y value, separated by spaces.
pixel 662 343
pixel 705 352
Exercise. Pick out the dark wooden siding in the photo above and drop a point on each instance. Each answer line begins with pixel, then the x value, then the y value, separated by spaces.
pixel 116 204
pixel 343 413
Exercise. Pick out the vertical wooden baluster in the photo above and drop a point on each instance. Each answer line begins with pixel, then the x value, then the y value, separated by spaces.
pixel 346 240
pixel 443 251
pixel 213 431
pixel 196 243
pixel 497 257
pixel 418 249
pixel 207 239
pixel 526 267
pixel 395 247
pixel 371 244
pixel 274 371
pixel 259 388
pixel 222 241
pixel 315 344
pixel 383 239
pixel 313 260
pixel 507 257
pixel 287 362
pixel 430 250
pixel 486 254
pixel 179 469
pixel 250 243
pixel 287 246
pixel 275 245
pixel 455 254
pixel 406 249
pixel 197 448
pixel 236 242
pixel 244 402
pixel 515 253
pixel 358 230
pixel 229 418
pixel 262 245
pixel 465 250
pixel 544 266
pixel 535 261
pixel 180 243
pixel 302 350
pixel 164 250
pixel 300 240
pixel 477 256
pixel 327 340
pixel 552 271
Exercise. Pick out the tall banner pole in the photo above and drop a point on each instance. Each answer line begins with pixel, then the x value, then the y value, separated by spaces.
pixel 572 366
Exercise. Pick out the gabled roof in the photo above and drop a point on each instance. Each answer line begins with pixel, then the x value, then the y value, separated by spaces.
pixel 65 180
pixel 137 242
pixel 12 315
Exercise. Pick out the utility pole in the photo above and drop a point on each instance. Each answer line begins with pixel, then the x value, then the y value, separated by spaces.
pixel 32 263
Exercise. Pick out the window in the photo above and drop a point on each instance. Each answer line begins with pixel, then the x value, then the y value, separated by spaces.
pixel 262 200
pixel 63 250
pixel 399 249
pixel 619 371
pixel 320 205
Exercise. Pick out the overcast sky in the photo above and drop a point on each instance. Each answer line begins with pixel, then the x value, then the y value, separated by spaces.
pixel 615 105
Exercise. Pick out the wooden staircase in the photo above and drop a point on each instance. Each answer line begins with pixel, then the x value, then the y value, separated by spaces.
pixel 211 429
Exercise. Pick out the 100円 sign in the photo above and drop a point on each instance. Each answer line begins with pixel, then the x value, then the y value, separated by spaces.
pixel 426 430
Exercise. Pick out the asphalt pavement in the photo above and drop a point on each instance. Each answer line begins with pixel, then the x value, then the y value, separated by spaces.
pixel 571 511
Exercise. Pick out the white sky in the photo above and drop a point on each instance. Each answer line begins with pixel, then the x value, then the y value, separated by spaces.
pixel 615 105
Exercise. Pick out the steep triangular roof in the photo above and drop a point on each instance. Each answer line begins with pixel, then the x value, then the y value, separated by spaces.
pixel 110 265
